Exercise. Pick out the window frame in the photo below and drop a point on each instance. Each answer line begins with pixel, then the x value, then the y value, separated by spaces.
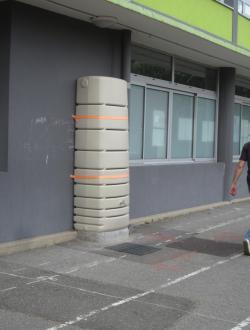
pixel 171 88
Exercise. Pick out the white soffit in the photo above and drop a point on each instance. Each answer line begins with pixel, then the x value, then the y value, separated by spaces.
pixel 150 33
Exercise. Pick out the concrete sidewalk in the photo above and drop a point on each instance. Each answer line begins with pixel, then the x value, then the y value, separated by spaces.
pixel 167 276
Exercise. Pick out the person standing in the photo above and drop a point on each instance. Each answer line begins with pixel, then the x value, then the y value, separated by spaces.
pixel 244 158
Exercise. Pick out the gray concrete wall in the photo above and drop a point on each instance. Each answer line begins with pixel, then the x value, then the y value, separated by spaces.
pixel 4 82
pixel 158 189
pixel 48 53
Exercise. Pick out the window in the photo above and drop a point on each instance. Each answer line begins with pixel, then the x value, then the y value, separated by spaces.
pixel 236 131
pixel 206 112
pixel 136 106
pixel 192 74
pixel 229 3
pixel 149 63
pixel 244 7
pixel 242 87
pixel 166 124
pixel 245 124
pixel 155 124
pixel 241 133
pixel 242 91
pixel 172 108
pixel 182 126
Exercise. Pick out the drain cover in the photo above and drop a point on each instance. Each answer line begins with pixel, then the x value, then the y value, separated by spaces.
pixel 206 246
pixel 131 248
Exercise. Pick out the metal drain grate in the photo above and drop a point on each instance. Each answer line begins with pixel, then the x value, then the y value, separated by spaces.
pixel 206 246
pixel 131 248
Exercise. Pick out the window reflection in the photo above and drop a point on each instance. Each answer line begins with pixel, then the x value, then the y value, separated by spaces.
pixel 206 111
pixel 150 63
pixel 192 74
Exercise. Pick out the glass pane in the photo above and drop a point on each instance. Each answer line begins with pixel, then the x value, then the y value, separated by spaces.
pixel 182 126
pixel 240 7
pixel 229 3
pixel 155 124
pixel 242 91
pixel 236 131
pixel 192 74
pixel 242 87
pixel 245 125
pixel 205 128
pixel 145 62
pixel 246 10
pixel 136 106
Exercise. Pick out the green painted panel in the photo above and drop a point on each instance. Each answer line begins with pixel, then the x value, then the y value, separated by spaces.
pixel 199 30
pixel 243 32
pixel 207 15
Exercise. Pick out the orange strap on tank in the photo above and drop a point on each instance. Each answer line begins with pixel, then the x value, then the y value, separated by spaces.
pixel 78 117
pixel 91 177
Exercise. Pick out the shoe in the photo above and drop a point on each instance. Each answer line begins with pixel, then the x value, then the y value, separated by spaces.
pixel 246 247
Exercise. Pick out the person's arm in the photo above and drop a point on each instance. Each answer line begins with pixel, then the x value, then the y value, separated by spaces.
pixel 237 173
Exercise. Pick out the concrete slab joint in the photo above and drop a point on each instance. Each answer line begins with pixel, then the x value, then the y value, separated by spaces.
pixel 101 189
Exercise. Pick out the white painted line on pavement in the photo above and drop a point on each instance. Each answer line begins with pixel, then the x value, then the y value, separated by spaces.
pixel 86 316
pixel 236 256
pixel 72 270
pixel 123 256
pixel 84 290
pixel 92 264
pixel 95 264
pixel 44 263
pixel 8 289
pixel 204 230
pixel 242 324
pixel 223 224
pixel 18 269
pixel 43 278
pixel 15 275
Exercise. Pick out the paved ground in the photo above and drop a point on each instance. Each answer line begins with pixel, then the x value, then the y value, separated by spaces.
pixel 184 273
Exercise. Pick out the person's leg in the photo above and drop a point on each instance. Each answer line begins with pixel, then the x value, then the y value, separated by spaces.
pixel 246 242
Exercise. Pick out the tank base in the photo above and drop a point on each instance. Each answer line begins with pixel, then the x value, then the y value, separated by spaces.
pixel 104 237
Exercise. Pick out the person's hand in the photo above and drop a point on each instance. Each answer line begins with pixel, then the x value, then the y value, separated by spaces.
pixel 233 190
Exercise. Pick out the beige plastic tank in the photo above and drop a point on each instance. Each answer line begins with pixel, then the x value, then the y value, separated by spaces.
pixel 101 176
pixel 101 117
pixel 102 90
pixel 101 140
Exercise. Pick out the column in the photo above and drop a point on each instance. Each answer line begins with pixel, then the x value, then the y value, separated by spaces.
pixel 225 124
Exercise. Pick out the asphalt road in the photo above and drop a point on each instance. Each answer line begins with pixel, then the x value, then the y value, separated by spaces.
pixel 185 273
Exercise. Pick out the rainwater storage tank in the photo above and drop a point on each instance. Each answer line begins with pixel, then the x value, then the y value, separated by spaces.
pixel 101 177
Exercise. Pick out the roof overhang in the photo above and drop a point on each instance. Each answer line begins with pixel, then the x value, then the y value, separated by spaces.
pixel 153 33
